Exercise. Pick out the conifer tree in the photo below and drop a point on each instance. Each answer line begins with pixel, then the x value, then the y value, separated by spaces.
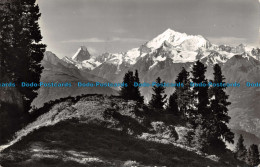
pixel 22 48
pixel 137 93
pixel 240 150
pixel 158 98
pixel 184 94
pixel 253 155
pixel 200 94
pixel 173 106
pixel 130 92
pixel 219 117
pixel 200 115
pixel 6 37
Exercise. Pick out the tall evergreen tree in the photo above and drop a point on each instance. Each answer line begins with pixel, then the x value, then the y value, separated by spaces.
pixel 200 94
pixel 253 155
pixel 172 105
pixel 130 92
pixel 22 48
pixel 184 94
pixel 158 98
pixel 219 117
pixel 240 150
pixel 199 117
pixel 137 93
pixel 6 36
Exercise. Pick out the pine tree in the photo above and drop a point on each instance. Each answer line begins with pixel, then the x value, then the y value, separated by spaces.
pixel 173 106
pixel 240 150
pixel 184 94
pixel 158 98
pixel 219 117
pixel 6 37
pixel 200 94
pixel 137 94
pixel 253 155
pixel 130 92
pixel 199 117
pixel 22 48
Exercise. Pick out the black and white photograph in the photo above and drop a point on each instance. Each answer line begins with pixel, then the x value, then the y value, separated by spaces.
pixel 129 83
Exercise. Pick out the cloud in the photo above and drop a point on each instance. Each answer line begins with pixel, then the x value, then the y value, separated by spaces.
pixel 116 39
pixel 100 40
pixel 92 50
pixel 90 40
pixel 228 40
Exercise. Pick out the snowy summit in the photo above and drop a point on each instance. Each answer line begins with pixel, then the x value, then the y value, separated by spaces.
pixel 81 55
pixel 181 40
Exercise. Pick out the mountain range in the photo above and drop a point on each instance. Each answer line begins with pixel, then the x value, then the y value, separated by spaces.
pixel 164 56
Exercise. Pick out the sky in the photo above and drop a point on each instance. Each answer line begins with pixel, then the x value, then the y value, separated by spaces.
pixel 119 25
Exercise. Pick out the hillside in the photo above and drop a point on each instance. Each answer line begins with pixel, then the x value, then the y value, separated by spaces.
pixel 97 130
pixel 56 70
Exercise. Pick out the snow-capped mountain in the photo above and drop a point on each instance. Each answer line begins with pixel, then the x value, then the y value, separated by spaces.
pixel 167 52
pixel 82 59
pixel 179 40
pixel 81 55
pixel 179 46
pixel 171 45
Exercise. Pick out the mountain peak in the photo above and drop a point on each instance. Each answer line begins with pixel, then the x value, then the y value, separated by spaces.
pixel 169 31
pixel 49 56
pixel 83 48
pixel 177 39
pixel 81 55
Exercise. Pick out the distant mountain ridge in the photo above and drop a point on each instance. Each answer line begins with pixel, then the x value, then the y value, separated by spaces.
pixel 179 47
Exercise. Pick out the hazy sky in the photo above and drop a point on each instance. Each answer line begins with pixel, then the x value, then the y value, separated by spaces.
pixel 119 25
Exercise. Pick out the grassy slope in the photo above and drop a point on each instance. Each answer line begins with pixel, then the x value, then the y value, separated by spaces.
pixel 90 140
pixel 112 147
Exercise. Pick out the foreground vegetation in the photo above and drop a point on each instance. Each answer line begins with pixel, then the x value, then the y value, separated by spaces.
pixel 96 130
